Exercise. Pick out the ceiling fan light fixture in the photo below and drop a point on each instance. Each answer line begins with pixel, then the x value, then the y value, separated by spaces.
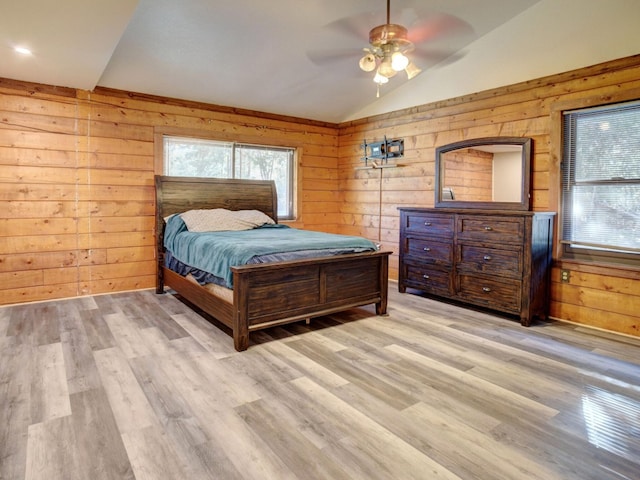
pixel 386 69
pixel 379 78
pixel 412 70
pixel 388 45
pixel 399 61
pixel 368 63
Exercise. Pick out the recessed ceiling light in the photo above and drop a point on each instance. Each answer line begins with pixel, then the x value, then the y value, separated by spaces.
pixel 23 50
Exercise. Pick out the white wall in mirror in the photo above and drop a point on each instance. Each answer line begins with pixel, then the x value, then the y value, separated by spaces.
pixel 507 176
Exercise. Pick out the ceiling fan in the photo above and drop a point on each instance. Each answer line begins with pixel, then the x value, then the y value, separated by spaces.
pixel 391 45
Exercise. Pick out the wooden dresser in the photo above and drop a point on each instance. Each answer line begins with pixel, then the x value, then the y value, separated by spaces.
pixel 496 259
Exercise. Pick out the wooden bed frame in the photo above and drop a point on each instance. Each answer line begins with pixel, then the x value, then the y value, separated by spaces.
pixel 267 294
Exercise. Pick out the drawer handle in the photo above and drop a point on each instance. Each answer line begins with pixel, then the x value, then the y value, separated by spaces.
pixel 426 249
pixel 426 277
pixel 487 257
pixel 488 228
pixel 427 224
pixel 486 289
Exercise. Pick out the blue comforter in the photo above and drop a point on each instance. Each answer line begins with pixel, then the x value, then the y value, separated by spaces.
pixel 217 252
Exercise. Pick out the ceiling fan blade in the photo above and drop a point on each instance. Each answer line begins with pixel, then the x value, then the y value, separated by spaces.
pixel 435 26
pixel 332 56
pixel 348 39
pixel 357 26
pixel 430 56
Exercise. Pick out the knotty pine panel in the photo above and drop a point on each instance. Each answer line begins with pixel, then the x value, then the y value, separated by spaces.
pixel 37 113
pixel 593 316
pixel 43 243
pixel 321 173
pixel 115 239
pixel 612 302
pixel 540 180
pixel 122 208
pixel 116 224
pixel 38 174
pixel 121 162
pixel 16 157
pixel 121 146
pixel 104 193
pixel 113 177
pixel 312 220
pixel 523 109
pixel 33 261
pixel 361 208
pixel 38 123
pixel 36 226
pixel 120 255
pixel 321 185
pixel 320 207
pixel 39 140
pixel 125 131
pixel 93 256
pixel 116 270
pixel 22 279
pixel 55 276
pixel 314 161
pixel 36 293
pixel 39 210
pixel 320 196
pixel 117 284
pixel 20 191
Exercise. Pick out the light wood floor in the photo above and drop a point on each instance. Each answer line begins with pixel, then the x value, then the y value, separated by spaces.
pixel 136 385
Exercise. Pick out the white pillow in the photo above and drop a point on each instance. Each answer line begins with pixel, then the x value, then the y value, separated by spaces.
pixel 221 219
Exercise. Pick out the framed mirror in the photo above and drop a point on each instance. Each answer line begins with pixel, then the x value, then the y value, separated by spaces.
pixel 488 173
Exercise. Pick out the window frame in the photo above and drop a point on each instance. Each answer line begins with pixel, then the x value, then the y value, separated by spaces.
pixel 159 161
pixel 563 249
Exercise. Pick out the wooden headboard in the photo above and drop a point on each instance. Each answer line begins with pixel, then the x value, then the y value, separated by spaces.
pixel 179 194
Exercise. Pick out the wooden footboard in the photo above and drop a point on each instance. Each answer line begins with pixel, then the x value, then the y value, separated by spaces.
pixel 272 294
pixel 284 292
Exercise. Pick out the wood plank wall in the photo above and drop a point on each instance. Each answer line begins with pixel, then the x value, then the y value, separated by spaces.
pixel 76 183
pixel 603 297
pixel 76 173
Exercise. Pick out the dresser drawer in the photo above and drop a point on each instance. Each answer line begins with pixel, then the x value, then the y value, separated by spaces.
pixel 430 280
pixel 429 224
pixel 429 251
pixel 491 293
pixel 498 261
pixel 491 229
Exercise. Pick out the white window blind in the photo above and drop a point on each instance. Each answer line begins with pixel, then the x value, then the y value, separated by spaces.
pixel 601 179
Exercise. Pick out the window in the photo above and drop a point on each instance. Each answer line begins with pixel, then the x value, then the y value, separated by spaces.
pixel 601 183
pixel 193 157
